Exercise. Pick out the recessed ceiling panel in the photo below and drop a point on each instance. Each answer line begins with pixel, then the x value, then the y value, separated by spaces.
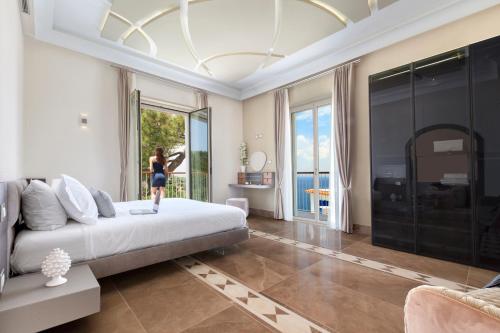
pixel 225 26
pixel 304 24
pixel 354 10
pixel 114 28
pixel 235 67
pixel 136 10
pixel 137 41
pixel 167 33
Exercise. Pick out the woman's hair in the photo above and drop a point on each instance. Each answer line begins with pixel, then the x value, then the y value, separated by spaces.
pixel 160 158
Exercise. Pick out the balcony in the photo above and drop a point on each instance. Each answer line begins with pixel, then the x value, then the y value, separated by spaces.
pixel 304 201
pixel 176 185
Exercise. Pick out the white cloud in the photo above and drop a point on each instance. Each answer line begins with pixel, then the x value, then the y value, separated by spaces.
pixel 304 115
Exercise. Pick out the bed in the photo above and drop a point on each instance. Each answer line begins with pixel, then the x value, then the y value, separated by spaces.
pixel 126 242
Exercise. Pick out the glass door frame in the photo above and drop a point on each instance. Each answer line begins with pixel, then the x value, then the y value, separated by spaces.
pixel 314 107
pixel 209 147
pixel 153 103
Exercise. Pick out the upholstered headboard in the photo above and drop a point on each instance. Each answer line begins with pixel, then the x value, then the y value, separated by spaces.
pixel 10 196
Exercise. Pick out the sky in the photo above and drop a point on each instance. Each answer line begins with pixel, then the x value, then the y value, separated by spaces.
pixel 304 139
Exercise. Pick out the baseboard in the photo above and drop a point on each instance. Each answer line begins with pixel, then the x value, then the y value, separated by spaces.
pixel 262 213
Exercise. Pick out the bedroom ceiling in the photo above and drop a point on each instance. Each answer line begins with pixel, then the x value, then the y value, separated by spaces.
pixel 236 48
pixel 228 39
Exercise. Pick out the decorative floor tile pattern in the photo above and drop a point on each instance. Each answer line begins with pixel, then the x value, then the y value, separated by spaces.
pixel 398 271
pixel 277 316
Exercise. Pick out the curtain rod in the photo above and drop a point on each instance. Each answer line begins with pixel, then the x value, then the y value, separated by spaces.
pixel 318 75
pixel 172 82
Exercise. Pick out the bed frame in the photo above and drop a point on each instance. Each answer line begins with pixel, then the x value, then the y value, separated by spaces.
pixel 118 263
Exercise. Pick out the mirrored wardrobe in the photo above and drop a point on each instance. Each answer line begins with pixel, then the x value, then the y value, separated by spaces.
pixel 435 153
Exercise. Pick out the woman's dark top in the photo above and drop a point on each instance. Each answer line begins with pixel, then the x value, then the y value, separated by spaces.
pixel 159 178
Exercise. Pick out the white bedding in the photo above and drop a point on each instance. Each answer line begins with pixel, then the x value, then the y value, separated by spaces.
pixel 176 220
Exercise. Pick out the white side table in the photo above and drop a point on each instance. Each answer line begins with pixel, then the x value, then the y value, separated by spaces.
pixel 26 305
pixel 239 202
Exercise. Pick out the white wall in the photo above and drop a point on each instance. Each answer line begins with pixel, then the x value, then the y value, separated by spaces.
pixel 61 84
pixel 11 91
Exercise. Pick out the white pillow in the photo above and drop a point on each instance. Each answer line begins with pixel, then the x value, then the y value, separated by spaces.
pixel 40 207
pixel 76 199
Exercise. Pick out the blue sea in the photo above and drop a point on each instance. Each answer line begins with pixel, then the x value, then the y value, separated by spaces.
pixel 305 182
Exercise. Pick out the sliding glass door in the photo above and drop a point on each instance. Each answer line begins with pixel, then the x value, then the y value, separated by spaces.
pixel 311 135
pixel 199 152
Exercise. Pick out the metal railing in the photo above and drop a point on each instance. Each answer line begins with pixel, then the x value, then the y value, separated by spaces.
pixel 304 191
pixel 176 185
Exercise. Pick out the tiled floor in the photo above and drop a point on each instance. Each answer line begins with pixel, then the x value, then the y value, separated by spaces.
pixel 330 294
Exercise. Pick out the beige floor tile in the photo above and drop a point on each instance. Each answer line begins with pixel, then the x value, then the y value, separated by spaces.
pixel 254 271
pixel 166 298
pixel 384 286
pixel 479 277
pixel 284 254
pixel 115 316
pixel 439 268
pixel 339 308
pixel 231 320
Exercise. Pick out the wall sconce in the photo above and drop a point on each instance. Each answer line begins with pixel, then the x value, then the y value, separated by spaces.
pixel 83 120
pixel 259 136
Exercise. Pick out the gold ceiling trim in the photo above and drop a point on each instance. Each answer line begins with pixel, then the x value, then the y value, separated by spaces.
pixel 153 17
pixel 241 53
pixel 139 26
pixel 329 9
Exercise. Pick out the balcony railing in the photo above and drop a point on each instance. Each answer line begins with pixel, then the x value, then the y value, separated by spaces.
pixel 176 185
pixel 304 185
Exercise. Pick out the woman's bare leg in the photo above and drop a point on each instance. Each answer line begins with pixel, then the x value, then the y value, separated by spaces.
pixel 162 192
pixel 153 192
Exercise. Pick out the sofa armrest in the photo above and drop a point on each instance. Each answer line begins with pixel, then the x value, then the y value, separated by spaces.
pixel 441 310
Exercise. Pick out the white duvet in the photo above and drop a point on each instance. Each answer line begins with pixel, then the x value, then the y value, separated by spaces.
pixel 176 220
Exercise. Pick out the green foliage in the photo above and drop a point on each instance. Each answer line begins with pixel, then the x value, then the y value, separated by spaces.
pixel 160 129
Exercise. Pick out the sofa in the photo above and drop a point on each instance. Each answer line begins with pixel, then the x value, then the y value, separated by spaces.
pixel 430 309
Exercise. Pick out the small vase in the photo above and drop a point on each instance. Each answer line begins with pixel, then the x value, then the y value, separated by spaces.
pixel 243 168
pixel 56 281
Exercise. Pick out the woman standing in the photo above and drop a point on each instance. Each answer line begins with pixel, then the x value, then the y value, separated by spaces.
pixel 158 168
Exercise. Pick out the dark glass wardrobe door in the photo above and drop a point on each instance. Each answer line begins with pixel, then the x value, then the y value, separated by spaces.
pixel 485 59
pixel 443 157
pixel 391 130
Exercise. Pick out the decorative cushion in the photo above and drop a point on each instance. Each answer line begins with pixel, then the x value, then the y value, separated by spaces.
pixel 76 199
pixel 14 191
pixel 104 202
pixel 41 208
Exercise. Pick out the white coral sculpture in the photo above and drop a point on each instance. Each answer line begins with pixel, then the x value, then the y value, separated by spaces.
pixel 55 265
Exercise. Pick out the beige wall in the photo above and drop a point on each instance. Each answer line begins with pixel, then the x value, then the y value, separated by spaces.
pixel 258 119
pixel 11 91
pixel 466 31
pixel 60 84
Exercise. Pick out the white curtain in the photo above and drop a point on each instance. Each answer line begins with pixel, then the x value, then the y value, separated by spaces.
pixel 341 131
pixel 283 203
pixel 335 195
pixel 201 99
pixel 124 91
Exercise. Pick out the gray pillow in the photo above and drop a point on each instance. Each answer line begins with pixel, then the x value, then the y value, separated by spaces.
pixel 41 208
pixel 104 202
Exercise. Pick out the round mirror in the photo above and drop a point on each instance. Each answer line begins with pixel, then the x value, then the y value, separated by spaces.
pixel 258 161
